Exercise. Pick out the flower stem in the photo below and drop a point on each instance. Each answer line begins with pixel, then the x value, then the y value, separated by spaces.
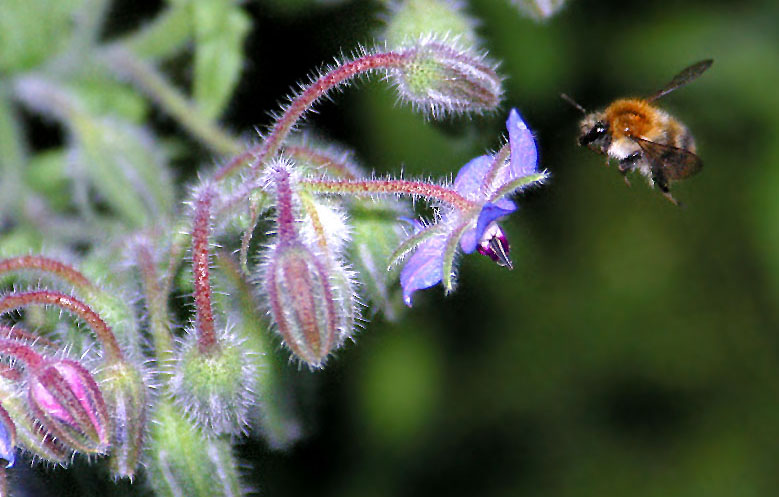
pixel 334 166
pixel 156 303
pixel 73 305
pixel 391 187
pixel 20 352
pixel 303 102
pixel 16 333
pixel 56 268
pixel 285 217
pixel 201 230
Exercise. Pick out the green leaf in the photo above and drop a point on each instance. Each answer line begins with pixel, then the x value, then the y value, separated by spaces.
pixel 375 236
pixel 220 30
pixel 33 30
pixel 103 95
pixel 125 166
pixel 45 173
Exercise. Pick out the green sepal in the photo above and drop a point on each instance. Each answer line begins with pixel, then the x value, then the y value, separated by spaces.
pixel 181 460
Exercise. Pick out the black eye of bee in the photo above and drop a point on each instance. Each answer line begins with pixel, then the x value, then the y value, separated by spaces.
pixel 595 133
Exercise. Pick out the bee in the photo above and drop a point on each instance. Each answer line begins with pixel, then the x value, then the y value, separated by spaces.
pixel 641 136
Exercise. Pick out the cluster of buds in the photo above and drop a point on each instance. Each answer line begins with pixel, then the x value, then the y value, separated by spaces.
pixel 57 405
pixel 342 241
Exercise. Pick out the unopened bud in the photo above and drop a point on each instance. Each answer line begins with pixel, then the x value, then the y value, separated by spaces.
pixel 183 461
pixel 65 399
pixel 410 19
pixel 539 9
pixel 302 301
pixel 214 388
pixel 7 438
pixel 124 392
pixel 30 435
pixel 439 78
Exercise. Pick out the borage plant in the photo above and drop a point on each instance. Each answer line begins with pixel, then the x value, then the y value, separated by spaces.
pixel 148 392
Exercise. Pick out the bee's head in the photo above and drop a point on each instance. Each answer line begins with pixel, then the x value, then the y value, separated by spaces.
pixel 594 132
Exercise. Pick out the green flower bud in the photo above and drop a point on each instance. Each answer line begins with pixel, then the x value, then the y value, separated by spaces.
pixel 440 78
pixel 412 19
pixel 183 461
pixel 124 392
pixel 214 389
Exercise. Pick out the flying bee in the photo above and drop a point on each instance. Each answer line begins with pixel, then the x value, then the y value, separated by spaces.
pixel 641 136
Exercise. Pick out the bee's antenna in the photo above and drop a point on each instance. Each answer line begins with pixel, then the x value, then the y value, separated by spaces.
pixel 573 102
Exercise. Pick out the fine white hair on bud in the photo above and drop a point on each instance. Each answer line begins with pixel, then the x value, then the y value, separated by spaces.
pixel 440 78
pixel 214 389
pixel 309 291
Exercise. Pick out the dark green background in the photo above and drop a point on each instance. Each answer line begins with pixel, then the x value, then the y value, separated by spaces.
pixel 634 350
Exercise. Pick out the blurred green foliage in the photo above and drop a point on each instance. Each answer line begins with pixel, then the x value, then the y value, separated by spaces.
pixel 633 351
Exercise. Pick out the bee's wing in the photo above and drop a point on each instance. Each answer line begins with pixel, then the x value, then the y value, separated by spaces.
pixel 687 75
pixel 676 163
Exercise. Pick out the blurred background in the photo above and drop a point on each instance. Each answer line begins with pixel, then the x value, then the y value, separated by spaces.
pixel 633 350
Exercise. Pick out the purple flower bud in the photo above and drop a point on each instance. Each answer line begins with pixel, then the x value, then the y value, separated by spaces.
pixel 439 78
pixel 7 438
pixel 301 302
pixel 29 433
pixel 67 402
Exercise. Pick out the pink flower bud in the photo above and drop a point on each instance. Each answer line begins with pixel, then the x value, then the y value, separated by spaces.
pixel 301 301
pixel 67 402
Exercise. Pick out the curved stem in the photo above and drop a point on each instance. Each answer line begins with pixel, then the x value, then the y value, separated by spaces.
pixel 59 269
pixel 16 333
pixel 20 352
pixel 73 305
pixel 303 102
pixel 392 187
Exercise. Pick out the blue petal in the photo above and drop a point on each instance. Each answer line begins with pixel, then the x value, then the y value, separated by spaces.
pixel 6 441
pixel 423 269
pixel 488 214
pixel 524 154
pixel 470 178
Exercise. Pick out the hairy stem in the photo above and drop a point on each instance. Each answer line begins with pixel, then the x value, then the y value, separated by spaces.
pixel 156 303
pixel 303 102
pixel 105 335
pixel 53 267
pixel 201 230
pixel 21 352
pixel 389 187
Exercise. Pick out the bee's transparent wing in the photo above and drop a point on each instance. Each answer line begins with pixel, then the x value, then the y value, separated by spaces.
pixel 676 163
pixel 687 75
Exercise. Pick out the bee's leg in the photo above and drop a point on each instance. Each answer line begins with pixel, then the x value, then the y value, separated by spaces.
pixel 627 164
pixel 659 179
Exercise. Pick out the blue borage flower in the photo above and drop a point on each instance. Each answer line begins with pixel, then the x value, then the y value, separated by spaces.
pixel 7 438
pixel 485 182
